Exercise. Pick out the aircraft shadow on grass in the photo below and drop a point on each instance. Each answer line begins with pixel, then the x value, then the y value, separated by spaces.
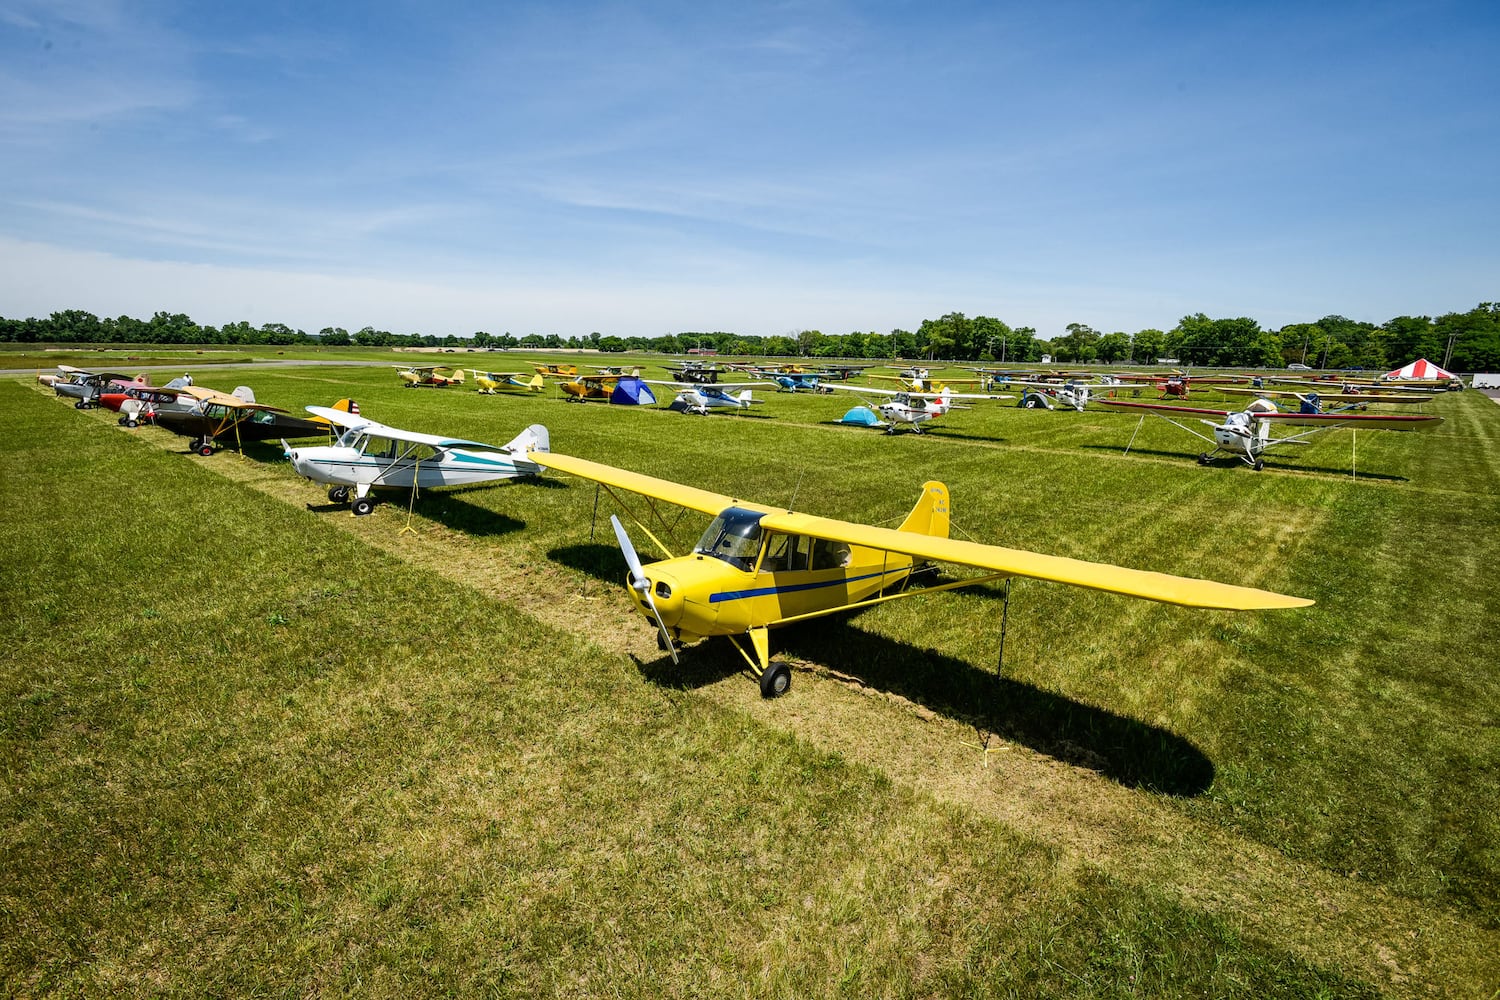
pixel 1125 750
pixel 1277 461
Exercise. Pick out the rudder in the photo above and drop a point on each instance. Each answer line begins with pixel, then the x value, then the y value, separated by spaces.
pixel 930 515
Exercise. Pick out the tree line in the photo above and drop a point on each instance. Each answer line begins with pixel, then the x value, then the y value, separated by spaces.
pixel 1466 341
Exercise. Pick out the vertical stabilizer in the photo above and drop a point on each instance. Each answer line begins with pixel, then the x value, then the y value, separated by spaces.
pixel 930 515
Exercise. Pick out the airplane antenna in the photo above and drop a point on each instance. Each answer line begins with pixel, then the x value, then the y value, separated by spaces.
pixel 791 505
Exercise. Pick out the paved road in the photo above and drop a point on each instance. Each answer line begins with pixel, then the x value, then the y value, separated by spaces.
pixel 127 367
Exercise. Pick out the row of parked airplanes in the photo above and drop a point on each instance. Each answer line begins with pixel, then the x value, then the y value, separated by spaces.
pixel 208 416
pixel 755 568
pixel 1245 435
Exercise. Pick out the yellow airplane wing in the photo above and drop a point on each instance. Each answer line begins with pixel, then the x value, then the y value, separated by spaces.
pixel 1185 591
pixel 661 489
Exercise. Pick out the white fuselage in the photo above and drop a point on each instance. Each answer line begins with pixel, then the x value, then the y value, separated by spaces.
pixel 1242 435
pixel 363 459
pixel 702 400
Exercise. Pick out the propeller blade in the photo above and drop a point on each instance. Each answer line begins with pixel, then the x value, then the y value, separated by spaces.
pixel 637 574
pixel 640 584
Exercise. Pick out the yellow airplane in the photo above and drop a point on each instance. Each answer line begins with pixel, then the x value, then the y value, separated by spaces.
pixel 759 567
pixel 436 376
pixel 490 383
pixel 552 369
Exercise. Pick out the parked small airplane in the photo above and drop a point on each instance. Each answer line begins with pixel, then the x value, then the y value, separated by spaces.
pixel 696 371
pixel 912 408
pixel 917 380
pixel 1049 395
pixel 583 388
pixel 239 417
pixel 369 454
pixel 700 398
pixel 84 387
pixel 758 567
pixel 415 376
pixel 490 383
pixel 797 381
pixel 136 402
pixel 1349 394
pixel 550 369
pixel 1246 435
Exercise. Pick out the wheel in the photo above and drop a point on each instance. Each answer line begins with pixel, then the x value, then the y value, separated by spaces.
pixel 78 405
pixel 1260 463
pixel 132 422
pixel 363 506
pixel 206 449
pixel 339 494
pixel 121 422
pixel 194 443
pixel 1203 458
pixel 776 680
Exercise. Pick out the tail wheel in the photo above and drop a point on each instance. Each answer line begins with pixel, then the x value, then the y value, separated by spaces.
pixel 776 680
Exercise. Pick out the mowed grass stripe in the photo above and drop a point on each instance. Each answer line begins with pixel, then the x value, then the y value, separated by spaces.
pixel 244 752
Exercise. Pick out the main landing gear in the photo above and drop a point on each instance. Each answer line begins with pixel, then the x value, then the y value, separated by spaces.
pixel 775 677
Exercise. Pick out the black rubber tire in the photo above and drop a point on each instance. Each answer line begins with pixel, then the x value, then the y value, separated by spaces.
pixel 1203 458
pixel 363 506
pixel 206 449
pixel 776 681
pixel 339 494
pixel 1260 463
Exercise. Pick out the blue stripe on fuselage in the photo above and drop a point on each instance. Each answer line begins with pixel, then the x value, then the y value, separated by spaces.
pixel 736 595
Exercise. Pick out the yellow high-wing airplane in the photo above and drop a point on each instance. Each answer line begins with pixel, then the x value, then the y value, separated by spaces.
pixel 490 383
pixel 758 567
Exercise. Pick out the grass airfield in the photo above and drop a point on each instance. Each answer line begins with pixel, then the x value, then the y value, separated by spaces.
pixel 254 745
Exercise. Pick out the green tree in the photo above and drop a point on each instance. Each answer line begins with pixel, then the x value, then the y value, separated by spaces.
pixel 1078 344
pixel 1147 345
pixel 1113 347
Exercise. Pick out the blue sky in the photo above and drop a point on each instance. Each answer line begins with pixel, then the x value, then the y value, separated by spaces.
pixel 757 167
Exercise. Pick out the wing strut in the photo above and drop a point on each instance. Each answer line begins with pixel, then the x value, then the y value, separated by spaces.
pixel 411 504
pixel 1004 617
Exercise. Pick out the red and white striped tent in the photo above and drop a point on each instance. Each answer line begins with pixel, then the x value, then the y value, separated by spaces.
pixel 1421 368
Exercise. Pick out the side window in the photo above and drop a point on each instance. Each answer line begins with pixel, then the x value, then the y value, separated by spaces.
pixel 829 555
pixel 778 550
pixel 379 447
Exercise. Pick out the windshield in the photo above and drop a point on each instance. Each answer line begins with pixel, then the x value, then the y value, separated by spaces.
pixel 733 537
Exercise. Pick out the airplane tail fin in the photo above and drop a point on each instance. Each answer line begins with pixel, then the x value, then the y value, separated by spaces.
pixel 347 406
pixel 744 396
pixel 537 383
pixel 458 375
pixel 533 438
pixel 244 394
pixel 930 515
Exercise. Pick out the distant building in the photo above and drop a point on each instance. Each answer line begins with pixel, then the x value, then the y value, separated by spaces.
pixel 702 350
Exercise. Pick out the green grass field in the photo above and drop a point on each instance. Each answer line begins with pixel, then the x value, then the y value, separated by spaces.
pixel 252 745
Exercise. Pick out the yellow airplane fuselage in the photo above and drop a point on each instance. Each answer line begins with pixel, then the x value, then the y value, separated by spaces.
pixel 699 595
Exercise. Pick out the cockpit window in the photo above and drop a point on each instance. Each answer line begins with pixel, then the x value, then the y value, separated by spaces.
pixel 733 537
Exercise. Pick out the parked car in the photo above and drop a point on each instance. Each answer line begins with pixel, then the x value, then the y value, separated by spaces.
pixel 1298 368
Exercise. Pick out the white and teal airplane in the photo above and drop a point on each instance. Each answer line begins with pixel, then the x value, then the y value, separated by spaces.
pixel 369 454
